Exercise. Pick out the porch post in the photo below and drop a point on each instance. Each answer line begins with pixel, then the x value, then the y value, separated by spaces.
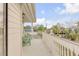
pixel 32 26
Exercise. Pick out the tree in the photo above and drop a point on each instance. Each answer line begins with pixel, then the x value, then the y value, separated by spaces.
pixel 56 29
pixel 41 28
pixel 69 33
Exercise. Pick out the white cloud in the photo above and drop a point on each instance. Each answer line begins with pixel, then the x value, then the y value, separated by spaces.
pixel 40 21
pixel 70 8
pixel 49 26
pixel 49 23
pixel 43 21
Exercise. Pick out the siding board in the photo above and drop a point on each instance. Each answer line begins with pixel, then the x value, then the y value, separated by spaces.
pixel 14 29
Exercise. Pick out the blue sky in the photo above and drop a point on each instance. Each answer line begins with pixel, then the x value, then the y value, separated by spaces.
pixel 52 13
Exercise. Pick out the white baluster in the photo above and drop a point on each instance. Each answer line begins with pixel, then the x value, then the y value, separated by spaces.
pixel 61 50
pixel 67 52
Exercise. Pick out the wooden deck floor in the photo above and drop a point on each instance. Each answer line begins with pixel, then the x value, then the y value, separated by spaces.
pixel 37 48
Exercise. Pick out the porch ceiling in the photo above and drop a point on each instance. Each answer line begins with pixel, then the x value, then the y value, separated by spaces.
pixel 28 12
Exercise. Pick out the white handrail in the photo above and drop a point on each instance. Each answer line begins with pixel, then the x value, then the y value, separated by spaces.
pixel 61 46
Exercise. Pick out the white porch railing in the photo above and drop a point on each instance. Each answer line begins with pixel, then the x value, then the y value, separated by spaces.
pixel 60 46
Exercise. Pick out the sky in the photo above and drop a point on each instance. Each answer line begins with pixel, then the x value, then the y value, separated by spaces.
pixel 52 13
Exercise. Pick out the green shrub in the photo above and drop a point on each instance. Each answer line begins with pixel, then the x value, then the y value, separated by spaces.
pixel 26 39
pixel 73 35
pixel 77 36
